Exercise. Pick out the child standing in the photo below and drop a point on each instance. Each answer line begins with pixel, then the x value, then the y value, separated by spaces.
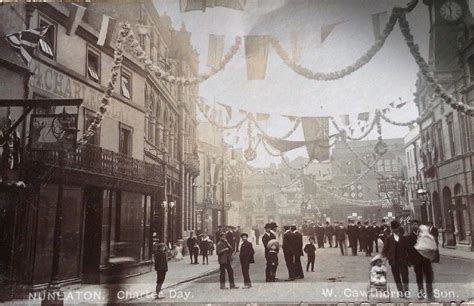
pixel 310 250
pixel 161 267
pixel 246 258
pixel 272 259
pixel 204 247
pixel 196 252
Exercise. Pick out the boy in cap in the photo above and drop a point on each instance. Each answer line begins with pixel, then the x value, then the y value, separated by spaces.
pixel 310 250
pixel 161 267
pixel 272 260
pixel 246 258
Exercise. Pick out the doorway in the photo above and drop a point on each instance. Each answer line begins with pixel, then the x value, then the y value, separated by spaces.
pixel 92 235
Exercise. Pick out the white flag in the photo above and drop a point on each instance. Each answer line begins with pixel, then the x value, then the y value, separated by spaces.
pixel 106 30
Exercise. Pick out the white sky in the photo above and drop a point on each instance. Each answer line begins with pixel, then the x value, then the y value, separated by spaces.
pixel 389 76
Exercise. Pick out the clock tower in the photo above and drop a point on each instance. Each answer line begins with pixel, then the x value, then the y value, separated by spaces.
pixel 446 24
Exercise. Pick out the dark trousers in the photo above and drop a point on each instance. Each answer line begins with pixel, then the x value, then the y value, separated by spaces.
pixel 245 272
pixel 320 242
pixel 329 237
pixel 237 245
pixel 160 278
pixel 310 262
pixel 353 243
pixel 290 264
pixel 360 245
pixel 191 255
pixel 376 243
pixel 424 270
pixel 342 246
pixel 335 241
pixel 196 255
pixel 205 258
pixel 271 272
pixel 230 272
pixel 400 275
pixel 369 248
pixel 298 267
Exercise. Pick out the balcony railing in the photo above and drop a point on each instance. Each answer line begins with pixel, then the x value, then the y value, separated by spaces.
pixel 101 161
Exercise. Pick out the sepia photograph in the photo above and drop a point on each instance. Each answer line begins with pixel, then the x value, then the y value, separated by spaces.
pixel 237 152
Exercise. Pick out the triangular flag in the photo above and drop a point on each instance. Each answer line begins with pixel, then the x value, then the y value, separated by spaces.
pixel 256 55
pixel 378 22
pixel 76 12
pixel 352 131
pixel 345 120
pixel 362 129
pixel 106 30
pixel 392 104
pixel 326 30
pixel 261 116
pixel 216 50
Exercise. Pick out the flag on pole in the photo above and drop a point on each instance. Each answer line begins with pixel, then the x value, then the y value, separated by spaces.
pixel 106 30
pixel 216 50
pixel 25 42
pixel 378 22
pixel 76 12
pixel 256 55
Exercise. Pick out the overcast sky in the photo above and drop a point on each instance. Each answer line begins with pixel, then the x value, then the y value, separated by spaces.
pixel 390 76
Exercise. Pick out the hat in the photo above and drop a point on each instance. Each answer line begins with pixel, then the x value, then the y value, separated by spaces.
pixel 293 226
pixel 286 227
pixel 244 234
pixel 267 225
pixel 394 224
pixel 273 242
pixel 376 257
pixel 413 221
pixel 273 225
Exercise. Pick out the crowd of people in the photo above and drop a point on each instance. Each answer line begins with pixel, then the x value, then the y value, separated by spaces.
pixel 418 249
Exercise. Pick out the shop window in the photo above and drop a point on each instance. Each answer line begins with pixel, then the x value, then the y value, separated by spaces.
pixel 125 143
pixel 47 44
pixel 126 85
pixel 88 118
pixel 93 65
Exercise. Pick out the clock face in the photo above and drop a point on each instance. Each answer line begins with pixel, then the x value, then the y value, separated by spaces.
pixel 451 11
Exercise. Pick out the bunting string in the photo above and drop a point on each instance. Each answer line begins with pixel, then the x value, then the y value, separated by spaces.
pixel 213 122
pixel 345 134
pixel 425 70
pixel 265 146
pixel 335 75
pixel 166 75
pixel 287 164
pixel 388 120
pixel 292 182
pixel 288 134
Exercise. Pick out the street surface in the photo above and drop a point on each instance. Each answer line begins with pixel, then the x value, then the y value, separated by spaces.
pixel 336 279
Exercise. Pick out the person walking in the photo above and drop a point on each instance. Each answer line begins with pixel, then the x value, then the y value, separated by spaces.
pixel 352 233
pixel 224 252
pixel 421 265
pixel 288 249
pixel 310 250
pixel 328 232
pixel 298 252
pixel 204 248
pixel 257 235
pixel 267 236
pixel 161 267
pixel 246 258
pixel 190 242
pixel 319 232
pixel 341 238
pixel 396 250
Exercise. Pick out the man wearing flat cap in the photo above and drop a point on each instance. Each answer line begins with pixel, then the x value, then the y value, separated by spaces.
pixel 396 251
pixel 246 258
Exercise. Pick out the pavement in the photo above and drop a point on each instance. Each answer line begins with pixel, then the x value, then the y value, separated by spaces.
pixel 337 279
pixel 456 253
pixel 132 288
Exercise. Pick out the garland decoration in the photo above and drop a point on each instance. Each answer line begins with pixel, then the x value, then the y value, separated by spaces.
pixel 288 134
pixel 287 164
pixel 408 123
pixel 382 202
pixel 105 101
pixel 265 146
pixel 344 134
pixel 293 181
pixel 167 76
pixel 381 147
pixel 331 76
pixel 250 153
pixel 425 70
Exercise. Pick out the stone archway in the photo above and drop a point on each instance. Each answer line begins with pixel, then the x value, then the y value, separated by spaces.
pixel 448 217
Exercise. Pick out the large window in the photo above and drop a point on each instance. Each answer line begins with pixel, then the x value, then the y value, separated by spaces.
pixel 125 141
pixel 47 44
pixel 93 65
pixel 126 84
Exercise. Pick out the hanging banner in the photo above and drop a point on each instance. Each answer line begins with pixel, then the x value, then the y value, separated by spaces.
pixel 317 130
pixel 216 50
pixel 106 30
pixel 378 23
pixel 256 55
pixel 76 12
pixel 363 116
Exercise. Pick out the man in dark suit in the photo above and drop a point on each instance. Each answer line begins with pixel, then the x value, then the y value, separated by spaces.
pixel 364 237
pixel 257 234
pixel 298 252
pixel 319 232
pixel 161 267
pixel 288 250
pixel 224 252
pixel 269 235
pixel 395 249
pixel 328 232
pixel 352 234
pixel 190 242
pixel 359 232
pixel 421 265
pixel 374 236
pixel 341 237
pixel 246 258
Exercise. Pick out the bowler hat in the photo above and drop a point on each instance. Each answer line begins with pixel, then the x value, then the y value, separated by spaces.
pixel 394 224
pixel 267 225
pixel 244 234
